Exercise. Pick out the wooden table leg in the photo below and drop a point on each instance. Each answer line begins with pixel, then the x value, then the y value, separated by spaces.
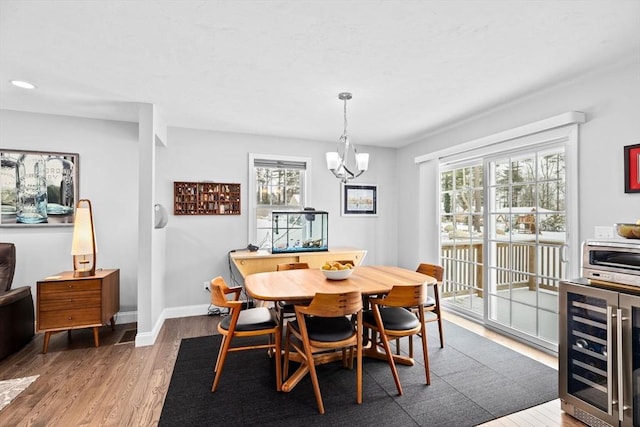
pixel 95 336
pixel 113 324
pixel 47 336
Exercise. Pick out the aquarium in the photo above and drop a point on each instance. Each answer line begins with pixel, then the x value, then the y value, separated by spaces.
pixel 299 231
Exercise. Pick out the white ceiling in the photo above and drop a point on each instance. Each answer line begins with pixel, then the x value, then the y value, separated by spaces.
pixel 276 67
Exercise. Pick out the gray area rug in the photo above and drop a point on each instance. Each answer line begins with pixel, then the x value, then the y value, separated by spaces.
pixel 473 380
pixel 10 389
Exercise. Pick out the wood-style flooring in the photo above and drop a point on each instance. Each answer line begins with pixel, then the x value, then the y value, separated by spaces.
pixel 121 385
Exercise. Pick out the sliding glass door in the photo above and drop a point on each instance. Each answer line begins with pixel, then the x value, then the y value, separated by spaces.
pixel 503 225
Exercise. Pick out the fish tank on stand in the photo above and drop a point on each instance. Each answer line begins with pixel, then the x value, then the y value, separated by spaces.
pixel 299 231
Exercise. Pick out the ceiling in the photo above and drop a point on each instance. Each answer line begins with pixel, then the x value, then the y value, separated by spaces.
pixel 276 67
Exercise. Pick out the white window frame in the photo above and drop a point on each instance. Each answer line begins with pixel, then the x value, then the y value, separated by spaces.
pixel 563 126
pixel 251 194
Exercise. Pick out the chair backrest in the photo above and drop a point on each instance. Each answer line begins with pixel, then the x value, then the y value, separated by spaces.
pixel 219 290
pixel 7 265
pixel 403 296
pixel 333 305
pixel 292 266
pixel 432 270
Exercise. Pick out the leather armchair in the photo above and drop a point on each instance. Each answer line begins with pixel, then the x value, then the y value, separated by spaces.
pixel 16 306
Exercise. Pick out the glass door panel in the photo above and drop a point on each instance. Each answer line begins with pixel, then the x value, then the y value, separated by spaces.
pixel 525 236
pixel 461 234
pixel 587 337
pixel 631 358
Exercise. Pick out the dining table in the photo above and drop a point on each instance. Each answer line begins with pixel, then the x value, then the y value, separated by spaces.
pixel 301 285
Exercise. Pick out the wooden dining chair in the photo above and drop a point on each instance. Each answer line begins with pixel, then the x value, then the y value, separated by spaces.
pixel 389 317
pixel 244 323
pixel 328 322
pixel 284 309
pixel 432 303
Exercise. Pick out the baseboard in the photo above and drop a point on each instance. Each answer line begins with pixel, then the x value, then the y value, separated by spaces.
pixel 123 317
pixel 149 338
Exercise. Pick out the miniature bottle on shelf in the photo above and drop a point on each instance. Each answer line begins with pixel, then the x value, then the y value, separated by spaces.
pixel 31 203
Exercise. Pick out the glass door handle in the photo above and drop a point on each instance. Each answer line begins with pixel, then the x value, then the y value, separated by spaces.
pixel 610 316
pixel 621 406
pixel 563 253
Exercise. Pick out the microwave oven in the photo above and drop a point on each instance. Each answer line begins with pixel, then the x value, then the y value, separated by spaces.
pixel 613 261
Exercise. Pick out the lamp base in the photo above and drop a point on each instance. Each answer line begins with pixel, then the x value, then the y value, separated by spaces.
pixel 80 273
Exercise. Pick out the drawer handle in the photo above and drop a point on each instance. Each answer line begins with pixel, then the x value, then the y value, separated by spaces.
pixel 70 286
pixel 69 318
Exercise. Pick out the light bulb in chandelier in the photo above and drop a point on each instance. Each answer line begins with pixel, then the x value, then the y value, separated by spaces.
pixel 346 163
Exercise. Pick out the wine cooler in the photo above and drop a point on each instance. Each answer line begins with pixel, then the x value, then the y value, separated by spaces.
pixel 599 353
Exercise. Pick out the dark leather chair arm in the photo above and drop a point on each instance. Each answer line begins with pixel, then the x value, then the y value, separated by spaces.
pixel 13 295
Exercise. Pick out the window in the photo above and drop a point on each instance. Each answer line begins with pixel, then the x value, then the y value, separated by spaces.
pixel 275 183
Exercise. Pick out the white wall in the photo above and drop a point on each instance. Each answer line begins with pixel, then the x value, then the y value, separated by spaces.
pixel 108 163
pixel 196 247
pixel 611 100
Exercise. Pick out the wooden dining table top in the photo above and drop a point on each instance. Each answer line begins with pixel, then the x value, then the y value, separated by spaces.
pixel 303 284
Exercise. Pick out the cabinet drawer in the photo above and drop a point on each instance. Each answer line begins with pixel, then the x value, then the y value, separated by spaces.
pixel 69 286
pixel 68 319
pixel 69 301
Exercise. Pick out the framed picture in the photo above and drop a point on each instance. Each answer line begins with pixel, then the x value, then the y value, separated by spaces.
pixel 37 188
pixel 359 200
pixel 632 168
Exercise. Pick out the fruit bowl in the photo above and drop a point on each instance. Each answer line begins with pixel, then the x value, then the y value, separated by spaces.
pixel 337 274
pixel 628 231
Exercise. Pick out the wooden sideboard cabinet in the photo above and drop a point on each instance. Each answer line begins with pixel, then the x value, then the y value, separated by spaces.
pixel 65 302
pixel 260 261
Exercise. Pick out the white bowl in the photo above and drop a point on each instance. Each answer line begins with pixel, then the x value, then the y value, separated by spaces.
pixel 337 274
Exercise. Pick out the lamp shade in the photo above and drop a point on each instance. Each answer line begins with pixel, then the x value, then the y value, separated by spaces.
pixel 83 245
pixel 362 159
pixel 333 160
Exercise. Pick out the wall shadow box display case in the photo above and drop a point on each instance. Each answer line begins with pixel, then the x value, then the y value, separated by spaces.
pixel 206 198
pixel 37 188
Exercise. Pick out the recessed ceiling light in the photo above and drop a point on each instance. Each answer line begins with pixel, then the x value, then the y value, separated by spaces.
pixel 22 84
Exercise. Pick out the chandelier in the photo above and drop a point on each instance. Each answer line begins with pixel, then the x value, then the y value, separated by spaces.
pixel 346 163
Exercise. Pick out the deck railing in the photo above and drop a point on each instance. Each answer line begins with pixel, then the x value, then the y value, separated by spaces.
pixel 517 263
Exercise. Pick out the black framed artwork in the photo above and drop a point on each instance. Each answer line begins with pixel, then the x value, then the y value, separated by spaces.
pixel 359 200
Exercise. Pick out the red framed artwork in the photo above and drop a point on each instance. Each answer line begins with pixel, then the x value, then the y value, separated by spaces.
pixel 632 168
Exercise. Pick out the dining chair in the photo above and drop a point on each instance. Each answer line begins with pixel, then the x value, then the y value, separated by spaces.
pixel 328 322
pixel 284 309
pixel 389 317
pixel 431 304
pixel 244 323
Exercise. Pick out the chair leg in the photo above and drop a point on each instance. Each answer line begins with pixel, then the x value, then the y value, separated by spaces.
pixel 314 378
pixel 410 346
pixel 287 342
pixel 278 356
pixel 215 368
pixel 392 364
pixel 440 331
pixel 358 368
pixel 222 356
pixel 425 352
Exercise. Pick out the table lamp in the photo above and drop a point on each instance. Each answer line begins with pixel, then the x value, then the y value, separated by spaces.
pixel 83 246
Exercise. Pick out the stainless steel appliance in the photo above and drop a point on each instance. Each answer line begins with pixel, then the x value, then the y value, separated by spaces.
pixel 599 347
pixel 612 261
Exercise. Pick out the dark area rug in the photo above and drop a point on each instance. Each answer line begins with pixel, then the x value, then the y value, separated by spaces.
pixel 473 380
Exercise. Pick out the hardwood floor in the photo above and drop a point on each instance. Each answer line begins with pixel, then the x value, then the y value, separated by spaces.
pixel 121 385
